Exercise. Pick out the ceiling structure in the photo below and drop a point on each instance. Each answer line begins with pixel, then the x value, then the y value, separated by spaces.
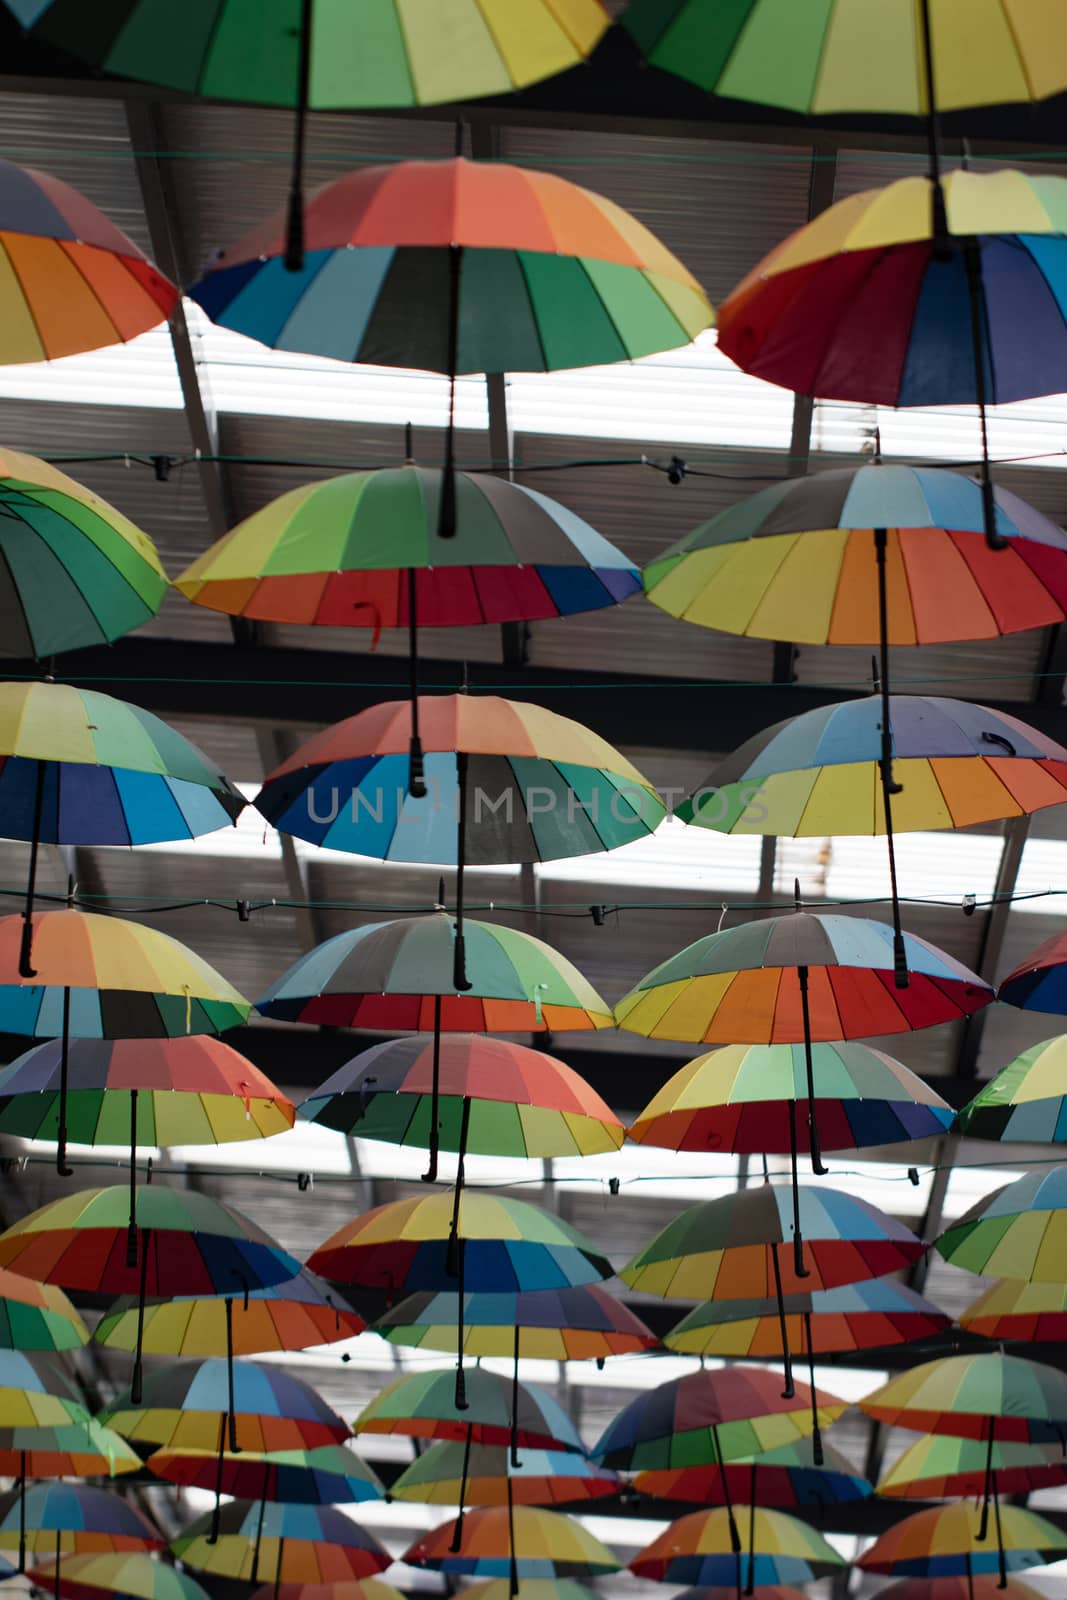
pixel 190 430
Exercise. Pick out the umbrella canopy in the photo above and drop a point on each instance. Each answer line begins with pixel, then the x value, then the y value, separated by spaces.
pixel 293 1315
pixel 398 975
pixel 978 1586
pixel 342 553
pixel 36 1394
pixel 528 1589
pixel 976 1397
pixel 422 1406
pixel 742 985
pixel 83 1449
pixel 116 979
pixel 941 1467
pixel 857 1316
pixel 829 60
pixel 297 1544
pixel 1026 1102
pixel 800 560
pixel 192 1089
pixel 853 305
pixel 738 1098
pixel 944 1542
pixel 787 1476
pixel 326 1475
pixel 99 1577
pixel 75 571
pixel 1039 983
pixel 1033 1313
pixel 447 1474
pixel 699 1549
pixel 73 1518
pixel 344 1589
pixel 530 272
pixel 397 55
pixel 508 1245
pixel 78 767
pixel 182 1405
pixel 1019 1230
pixel 584 1323
pixel 731 1248
pixel 525 1541
pixel 508 781
pixel 709 1417
pixel 37 1316
pixel 820 773
pixel 523 1102
pixel 72 281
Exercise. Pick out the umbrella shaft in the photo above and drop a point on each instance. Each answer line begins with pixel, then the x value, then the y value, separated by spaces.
pixel 26 967
pixel 64 1066
pixel 789 1391
pixel 430 1175
pixel 416 774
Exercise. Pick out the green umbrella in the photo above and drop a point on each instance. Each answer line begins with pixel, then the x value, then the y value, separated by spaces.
pixel 1026 1102
pixel 1019 1231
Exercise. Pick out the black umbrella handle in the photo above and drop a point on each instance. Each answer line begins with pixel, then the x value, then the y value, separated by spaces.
pixel 62 1168
pixel 26 967
pixel 294 232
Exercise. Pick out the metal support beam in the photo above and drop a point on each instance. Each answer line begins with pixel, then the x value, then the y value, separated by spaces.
pixel 1016 833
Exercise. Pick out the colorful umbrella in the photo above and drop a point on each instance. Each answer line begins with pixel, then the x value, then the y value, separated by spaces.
pixel 514 1542
pixel 181 1408
pixel 506 1099
pixel 422 1406
pixel 36 1394
pixel 345 1589
pixel 450 1474
pixel 1019 1230
pixel 37 1316
pixel 75 571
pixel 72 281
pixel 100 977
pixel 299 1544
pixel 807 978
pixel 1033 1313
pixel 529 1589
pixel 69 1450
pixel 294 1315
pixel 976 1397
pixel 100 1577
pixel 947 1541
pixel 941 1468
pixel 1039 983
pixel 868 1315
pixel 1026 1102
pixel 188 1244
pixel 978 1586
pixel 326 1475
pixel 701 1548
pixel 70 1518
pixel 584 1323
pixel 788 1476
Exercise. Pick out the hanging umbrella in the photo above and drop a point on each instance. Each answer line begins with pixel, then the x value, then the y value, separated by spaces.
pixel 788 1476
pixel 100 1577
pixel 422 1406
pixel 72 280
pixel 1026 1103
pixel 584 1323
pixel 700 1549
pixel 37 1316
pixel 36 1394
pixel 75 572
pixel 83 1449
pixel 1039 983
pixel 976 1397
pixel 930 291
pixel 1032 1313
pixel 297 1544
pixel 345 1589
pixel 1019 1230
pixel 294 1315
pixel 805 977
pixel 528 1589
pixel 941 1468
pixel 514 1542
pixel 58 1519
pixel 449 1474
pixel 947 1541
pixel 978 1586
pixel 743 1097
pixel 183 1243
pixel 326 1475
pixel 99 977
pixel 868 1315
pixel 509 1100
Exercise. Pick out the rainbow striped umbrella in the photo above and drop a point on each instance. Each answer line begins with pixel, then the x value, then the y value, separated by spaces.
pixel 787 1476
pixel 977 1586
pixel 84 1449
pixel 422 1406
pixel 868 1315
pixel 298 1544
pixel 344 1589
pixel 1026 1102
pixel 100 1577
pixel 37 1316
pixel 701 1548
pixel 36 1394
pixel 326 1475
pixel 450 1474
pixel 294 1315
pixel 70 1519
pixel 986 1397
pixel 948 1541
pixel 514 1542
pixel 181 1408
pixel 1039 982
pixel 1019 1230
pixel 940 1467
pixel 1032 1313
pixel 528 1589
pixel 583 1323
